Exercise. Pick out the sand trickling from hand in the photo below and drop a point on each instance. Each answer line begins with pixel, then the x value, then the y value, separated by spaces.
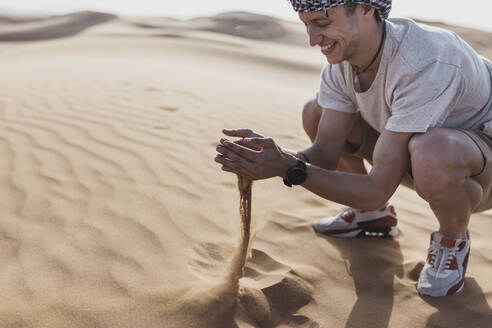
pixel 236 269
pixel 215 305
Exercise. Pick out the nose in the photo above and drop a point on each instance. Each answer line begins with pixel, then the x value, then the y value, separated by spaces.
pixel 315 37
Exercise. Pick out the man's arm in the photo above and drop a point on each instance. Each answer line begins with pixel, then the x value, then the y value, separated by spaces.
pixel 391 161
pixel 333 130
pixel 369 192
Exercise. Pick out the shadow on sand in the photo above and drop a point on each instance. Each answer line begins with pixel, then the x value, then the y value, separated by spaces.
pixel 466 309
pixel 373 270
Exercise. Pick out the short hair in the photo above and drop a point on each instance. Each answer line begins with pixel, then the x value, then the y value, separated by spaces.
pixel 350 9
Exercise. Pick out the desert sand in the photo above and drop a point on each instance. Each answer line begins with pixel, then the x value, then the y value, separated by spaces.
pixel 114 214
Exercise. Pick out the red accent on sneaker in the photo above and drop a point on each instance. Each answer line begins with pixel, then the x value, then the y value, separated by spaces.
pixel 455 288
pixel 431 258
pixel 387 221
pixel 348 216
pixel 453 265
pixel 461 245
pixel 446 242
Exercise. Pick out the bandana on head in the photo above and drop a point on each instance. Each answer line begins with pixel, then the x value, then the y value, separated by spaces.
pixel 382 6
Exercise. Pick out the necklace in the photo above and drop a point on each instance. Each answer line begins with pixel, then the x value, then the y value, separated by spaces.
pixel 377 53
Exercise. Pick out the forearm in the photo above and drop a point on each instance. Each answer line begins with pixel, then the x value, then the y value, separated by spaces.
pixel 354 190
pixel 319 157
pixel 261 158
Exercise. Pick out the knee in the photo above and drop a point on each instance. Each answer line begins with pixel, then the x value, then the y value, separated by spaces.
pixel 311 115
pixel 433 162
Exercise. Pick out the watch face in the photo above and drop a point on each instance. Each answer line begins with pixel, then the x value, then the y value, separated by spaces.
pixel 297 176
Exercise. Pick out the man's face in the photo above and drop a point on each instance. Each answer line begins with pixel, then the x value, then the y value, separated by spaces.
pixel 337 34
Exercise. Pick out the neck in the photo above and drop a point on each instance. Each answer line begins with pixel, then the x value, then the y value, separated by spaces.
pixel 370 50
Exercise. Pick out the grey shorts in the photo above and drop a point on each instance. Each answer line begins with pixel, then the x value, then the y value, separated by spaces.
pixel 482 140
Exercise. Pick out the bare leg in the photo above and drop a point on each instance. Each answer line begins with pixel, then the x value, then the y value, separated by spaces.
pixel 444 162
pixel 311 116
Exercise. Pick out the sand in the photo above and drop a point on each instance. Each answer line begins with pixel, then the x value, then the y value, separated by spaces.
pixel 114 214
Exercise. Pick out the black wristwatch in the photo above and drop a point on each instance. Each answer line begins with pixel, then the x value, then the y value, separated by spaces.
pixel 296 175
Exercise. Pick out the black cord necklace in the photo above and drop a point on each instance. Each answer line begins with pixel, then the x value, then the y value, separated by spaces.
pixel 377 53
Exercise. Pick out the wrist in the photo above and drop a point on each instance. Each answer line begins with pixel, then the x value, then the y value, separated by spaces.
pixel 287 162
pixel 302 156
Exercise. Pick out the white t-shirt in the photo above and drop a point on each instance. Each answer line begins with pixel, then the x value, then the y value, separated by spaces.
pixel 428 77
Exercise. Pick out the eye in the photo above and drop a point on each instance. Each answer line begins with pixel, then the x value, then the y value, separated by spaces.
pixel 322 23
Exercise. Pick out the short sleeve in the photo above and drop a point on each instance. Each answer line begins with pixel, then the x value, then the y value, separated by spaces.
pixel 425 98
pixel 332 92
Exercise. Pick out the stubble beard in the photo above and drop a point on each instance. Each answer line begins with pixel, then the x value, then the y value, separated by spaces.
pixel 351 49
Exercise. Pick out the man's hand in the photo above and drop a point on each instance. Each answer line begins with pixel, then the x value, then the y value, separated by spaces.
pixel 253 156
pixel 243 133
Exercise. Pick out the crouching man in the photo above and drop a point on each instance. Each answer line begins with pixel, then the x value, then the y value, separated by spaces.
pixel 413 100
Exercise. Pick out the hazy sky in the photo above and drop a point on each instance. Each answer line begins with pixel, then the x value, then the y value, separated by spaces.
pixel 473 13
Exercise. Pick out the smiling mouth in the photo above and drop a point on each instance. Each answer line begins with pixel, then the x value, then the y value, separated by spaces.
pixel 328 46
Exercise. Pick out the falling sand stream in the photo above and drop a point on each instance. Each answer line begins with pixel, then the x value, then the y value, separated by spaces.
pixel 236 269
pixel 211 306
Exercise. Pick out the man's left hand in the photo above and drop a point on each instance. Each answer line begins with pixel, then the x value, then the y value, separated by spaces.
pixel 256 158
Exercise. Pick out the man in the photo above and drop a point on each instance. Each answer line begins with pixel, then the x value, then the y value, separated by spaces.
pixel 413 100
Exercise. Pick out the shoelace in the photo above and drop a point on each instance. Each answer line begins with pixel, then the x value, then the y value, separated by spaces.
pixel 445 256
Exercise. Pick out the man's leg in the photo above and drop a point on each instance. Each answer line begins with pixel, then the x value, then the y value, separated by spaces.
pixel 351 222
pixel 445 163
pixel 311 116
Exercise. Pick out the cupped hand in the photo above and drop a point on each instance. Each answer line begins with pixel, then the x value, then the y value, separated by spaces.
pixel 253 156
pixel 243 133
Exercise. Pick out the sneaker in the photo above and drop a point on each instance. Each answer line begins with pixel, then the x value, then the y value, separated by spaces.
pixel 443 273
pixel 353 223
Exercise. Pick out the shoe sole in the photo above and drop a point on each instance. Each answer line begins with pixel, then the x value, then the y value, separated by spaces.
pixel 390 232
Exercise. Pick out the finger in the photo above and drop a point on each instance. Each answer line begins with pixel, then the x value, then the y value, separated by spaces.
pixel 247 144
pixel 234 148
pixel 221 159
pixel 231 156
pixel 241 133
pixel 230 166
pixel 228 169
pixel 226 164
pixel 235 161
pixel 259 142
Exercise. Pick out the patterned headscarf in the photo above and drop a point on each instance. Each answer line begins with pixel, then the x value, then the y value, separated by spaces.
pixel 382 6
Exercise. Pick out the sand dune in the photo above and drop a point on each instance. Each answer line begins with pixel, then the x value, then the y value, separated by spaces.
pixel 115 215
pixel 38 28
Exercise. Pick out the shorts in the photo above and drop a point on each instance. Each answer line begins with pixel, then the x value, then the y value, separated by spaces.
pixel 482 140
pixel 484 143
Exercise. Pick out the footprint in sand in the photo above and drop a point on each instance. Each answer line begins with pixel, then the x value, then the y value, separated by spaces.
pixel 164 127
pixel 272 293
pixel 153 89
pixel 168 109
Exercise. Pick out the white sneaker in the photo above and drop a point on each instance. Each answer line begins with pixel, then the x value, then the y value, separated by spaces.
pixel 353 223
pixel 444 271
